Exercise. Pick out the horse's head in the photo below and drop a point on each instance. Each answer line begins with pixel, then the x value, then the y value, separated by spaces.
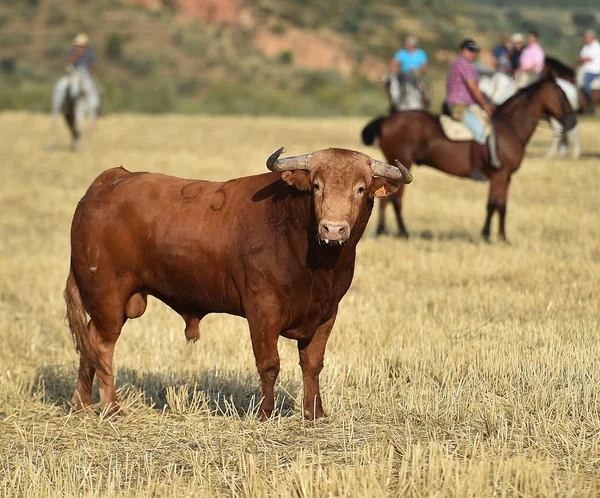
pixel 78 81
pixel 556 104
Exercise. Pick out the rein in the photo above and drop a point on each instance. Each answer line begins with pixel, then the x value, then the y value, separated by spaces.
pixel 501 118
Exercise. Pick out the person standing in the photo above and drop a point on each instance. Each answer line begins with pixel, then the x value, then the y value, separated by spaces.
pixel 589 59
pixel 531 61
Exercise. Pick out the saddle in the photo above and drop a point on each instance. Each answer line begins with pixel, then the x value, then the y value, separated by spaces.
pixel 456 131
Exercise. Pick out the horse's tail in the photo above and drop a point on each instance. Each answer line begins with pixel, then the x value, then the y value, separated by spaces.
pixel 77 318
pixel 372 131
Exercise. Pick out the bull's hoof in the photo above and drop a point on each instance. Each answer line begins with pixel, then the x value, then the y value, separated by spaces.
pixel 80 403
pixel 316 416
pixel 113 410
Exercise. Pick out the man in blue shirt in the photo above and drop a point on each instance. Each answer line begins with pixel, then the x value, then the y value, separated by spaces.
pixel 410 59
pixel 81 55
pixel 501 55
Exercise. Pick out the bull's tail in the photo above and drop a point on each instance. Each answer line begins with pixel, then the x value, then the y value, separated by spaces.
pixel 77 318
pixel 372 131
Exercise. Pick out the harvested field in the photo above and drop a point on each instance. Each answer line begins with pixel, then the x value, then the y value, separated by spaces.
pixel 455 368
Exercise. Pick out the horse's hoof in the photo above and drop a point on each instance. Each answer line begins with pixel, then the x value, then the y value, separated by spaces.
pixel 486 238
pixel 381 231
pixel 402 235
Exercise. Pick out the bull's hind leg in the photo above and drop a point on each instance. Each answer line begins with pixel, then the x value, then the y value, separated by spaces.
pixel 104 329
pixel 83 391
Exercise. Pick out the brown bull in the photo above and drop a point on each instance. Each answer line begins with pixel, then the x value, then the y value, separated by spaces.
pixel 278 249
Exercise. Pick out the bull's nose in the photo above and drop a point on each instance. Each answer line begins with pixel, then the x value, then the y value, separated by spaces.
pixel 334 232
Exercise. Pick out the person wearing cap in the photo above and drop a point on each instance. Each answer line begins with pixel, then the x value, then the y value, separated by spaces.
pixel 589 59
pixel 410 59
pixel 531 61
pixel 501 55
pixel 81 55
pixel 462 90
pixel 517 40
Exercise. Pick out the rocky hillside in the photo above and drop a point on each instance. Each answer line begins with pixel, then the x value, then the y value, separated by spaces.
pixel 301 57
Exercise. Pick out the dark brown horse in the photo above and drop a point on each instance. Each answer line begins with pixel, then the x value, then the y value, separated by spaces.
pixel 554 68
pixel 416 137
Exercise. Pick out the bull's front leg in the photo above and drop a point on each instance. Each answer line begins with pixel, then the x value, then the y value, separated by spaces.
pixel 264 335
pixel 311 353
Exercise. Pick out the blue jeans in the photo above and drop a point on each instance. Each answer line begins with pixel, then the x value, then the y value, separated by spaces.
pixel 472 122
pixel 587 86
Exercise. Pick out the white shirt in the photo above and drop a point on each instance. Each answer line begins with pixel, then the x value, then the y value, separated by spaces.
pixel 593 52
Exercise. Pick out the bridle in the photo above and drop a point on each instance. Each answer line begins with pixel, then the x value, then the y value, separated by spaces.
pixel 566 115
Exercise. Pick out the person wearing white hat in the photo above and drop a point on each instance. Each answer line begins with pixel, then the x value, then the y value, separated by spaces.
pixel 517 40
pixel 82 55
pixel 589 59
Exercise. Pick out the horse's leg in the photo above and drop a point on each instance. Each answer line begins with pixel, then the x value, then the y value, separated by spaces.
pixel 557 131
pixel 576 141
pixel 496 199
pixel 502 198
pixel 396 200
pixel 58 98
pixel 78 119
pixel 90 127
pixel 381 221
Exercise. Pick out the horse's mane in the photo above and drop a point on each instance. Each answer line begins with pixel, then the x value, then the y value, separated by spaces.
pixel 528 92
pixel 561 69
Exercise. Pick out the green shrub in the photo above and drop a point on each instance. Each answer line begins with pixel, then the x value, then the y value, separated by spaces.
pixel 583 20
pixel 188 87
pixel 114 45
pixel 56 15
pixel 285 57
pixel 141 65
pixel 156 97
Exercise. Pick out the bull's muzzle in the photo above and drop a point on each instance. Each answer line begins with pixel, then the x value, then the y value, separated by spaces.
pixel 333 232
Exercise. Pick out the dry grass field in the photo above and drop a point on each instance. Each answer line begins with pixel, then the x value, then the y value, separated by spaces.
pixel 455 368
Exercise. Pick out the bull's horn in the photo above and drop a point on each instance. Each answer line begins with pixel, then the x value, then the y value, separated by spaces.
pixel 288 163
pixel 398 172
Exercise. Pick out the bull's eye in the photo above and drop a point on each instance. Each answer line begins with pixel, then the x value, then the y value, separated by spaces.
pixel 316 187
pixel 360 190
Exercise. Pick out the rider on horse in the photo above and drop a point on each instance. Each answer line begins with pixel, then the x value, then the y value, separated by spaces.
pixel 531 62
pixel 81 55
pixel 462 92
pixel 409 66
pixel 589 59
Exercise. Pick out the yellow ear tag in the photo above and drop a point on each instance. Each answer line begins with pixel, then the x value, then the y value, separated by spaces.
pixel 381 191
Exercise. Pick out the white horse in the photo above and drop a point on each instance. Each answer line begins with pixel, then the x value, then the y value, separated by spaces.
pixel 499 87
pixel 76 96
pixel 405 92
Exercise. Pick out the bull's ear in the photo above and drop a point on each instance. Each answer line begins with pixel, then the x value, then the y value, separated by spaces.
pixel 381 187
pixel 299 179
